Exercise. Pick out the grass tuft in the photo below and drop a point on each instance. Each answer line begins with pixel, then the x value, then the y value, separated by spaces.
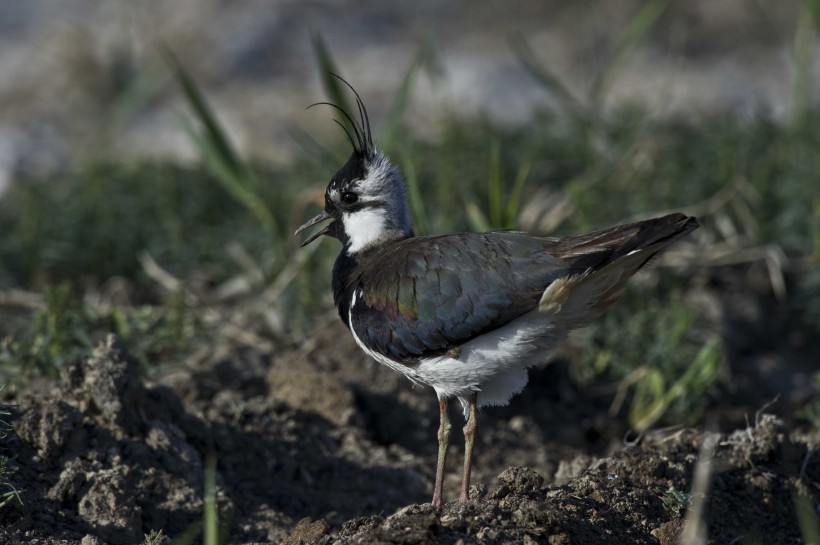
pixel 8 492
pixel 675 503
pixel 664 366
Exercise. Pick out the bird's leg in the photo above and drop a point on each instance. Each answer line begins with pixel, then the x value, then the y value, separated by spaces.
pixel 470 429
pixel 443 442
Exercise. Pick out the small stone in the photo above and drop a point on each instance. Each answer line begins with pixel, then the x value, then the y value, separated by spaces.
pixel 669 533
pixel 306 531
pixel 108 507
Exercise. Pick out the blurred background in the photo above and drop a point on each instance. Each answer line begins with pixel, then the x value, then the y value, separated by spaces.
pixel 155 158
pixel 86 79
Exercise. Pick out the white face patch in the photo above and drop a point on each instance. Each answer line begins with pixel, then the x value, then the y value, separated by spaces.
pixel 363 227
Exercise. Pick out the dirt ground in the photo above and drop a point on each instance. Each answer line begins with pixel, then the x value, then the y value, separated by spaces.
pixel 318 444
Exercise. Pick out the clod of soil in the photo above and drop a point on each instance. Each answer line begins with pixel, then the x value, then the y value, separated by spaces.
pixel 629 498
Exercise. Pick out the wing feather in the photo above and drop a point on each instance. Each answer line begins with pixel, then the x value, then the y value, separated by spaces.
pixel 423 296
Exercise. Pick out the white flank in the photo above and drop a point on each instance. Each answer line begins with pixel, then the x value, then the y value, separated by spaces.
pixel 493 364
pixel 384 360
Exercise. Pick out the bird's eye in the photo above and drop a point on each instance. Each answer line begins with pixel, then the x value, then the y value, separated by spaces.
pixel 348 197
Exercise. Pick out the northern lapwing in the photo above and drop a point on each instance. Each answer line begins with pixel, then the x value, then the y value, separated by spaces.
pixel 465 313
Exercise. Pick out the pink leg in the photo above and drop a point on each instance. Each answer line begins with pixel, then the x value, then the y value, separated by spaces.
pixel 443 443
pixel 470 429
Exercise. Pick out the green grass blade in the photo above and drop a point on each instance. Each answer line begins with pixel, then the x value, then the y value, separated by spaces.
pixel 9 493
pixel 495 207
pixel 238 184
pixel 147 85
pixel 420 218
pixel 334 88
pixel 551 83
pixel 210 516
pixel 638 26
pixel 514 202
pixel 807 518
pixel 217 152
pixel 658 398
pixel 476 218
pixel 214 133
pixel 804 38
pixel 402 99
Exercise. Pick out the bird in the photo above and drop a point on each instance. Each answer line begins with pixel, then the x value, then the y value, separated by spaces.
pixel 467 313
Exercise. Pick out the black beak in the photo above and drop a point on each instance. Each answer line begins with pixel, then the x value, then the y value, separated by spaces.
pixel 318 219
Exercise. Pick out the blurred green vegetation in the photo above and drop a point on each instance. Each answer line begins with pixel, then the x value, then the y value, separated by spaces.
pixel 172 257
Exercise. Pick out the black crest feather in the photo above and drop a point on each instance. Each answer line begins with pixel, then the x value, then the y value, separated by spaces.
pixel 361 137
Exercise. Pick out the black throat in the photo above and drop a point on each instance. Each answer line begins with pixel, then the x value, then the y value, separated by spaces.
pixel 350 274
pixel 345 280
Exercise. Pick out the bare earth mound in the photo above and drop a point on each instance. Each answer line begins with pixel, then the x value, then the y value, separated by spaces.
pixel 319 446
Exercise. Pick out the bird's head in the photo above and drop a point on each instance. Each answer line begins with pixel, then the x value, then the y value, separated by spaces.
pixel 366 200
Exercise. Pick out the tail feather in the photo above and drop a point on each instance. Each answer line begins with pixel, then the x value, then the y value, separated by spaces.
pixel 605 260
pixel 597 249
